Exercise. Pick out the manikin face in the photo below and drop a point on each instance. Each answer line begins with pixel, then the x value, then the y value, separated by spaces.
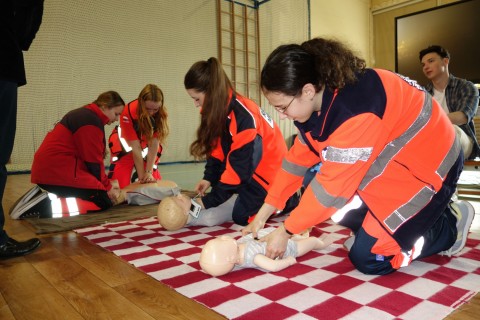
pixel 298 108
pixel 434 66
pixel 197 96
pixel 113 113
pixel 219 256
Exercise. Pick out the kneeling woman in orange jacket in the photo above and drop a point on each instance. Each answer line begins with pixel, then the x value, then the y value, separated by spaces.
pixel 69 162
pixel 390 159
pixel 243 146
pixel 137 142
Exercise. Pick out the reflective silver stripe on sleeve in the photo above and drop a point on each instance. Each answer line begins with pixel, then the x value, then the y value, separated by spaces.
pixel 300 138
pixel 347 155
pixel 406 211
pixel 326 199
pixel 340 214
pixel 393 147
pixel 450 158
pixel 293 168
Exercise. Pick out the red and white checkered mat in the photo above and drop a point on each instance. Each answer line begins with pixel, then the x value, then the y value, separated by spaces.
pixel 322 285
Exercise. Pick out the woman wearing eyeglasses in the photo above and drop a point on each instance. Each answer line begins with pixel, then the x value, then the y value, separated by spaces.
pixel 390 160
pixel 137 142
pixel 243 146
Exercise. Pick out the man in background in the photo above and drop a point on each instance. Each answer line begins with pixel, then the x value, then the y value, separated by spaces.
pixel 19 22
pixel 458 97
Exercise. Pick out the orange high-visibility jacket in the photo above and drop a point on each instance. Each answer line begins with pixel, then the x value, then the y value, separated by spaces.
pixel 130 131
pixel 381 138
pixel 252 147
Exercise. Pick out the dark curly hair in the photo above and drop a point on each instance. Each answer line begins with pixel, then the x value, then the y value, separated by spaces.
pixel 321 62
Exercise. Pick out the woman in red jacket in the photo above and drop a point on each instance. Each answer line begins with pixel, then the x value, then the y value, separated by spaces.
pixel 70 160
pixel 390 158
pixel 243 146
pixel 137 142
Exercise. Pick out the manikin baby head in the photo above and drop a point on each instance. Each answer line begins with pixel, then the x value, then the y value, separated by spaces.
pixel 173 211
pixel 219 256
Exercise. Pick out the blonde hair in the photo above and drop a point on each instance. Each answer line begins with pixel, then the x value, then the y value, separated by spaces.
pixel 152 93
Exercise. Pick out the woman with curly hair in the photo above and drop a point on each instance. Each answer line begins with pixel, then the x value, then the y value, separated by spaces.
pixel 390 159
pixel 243 146
pixel 137 142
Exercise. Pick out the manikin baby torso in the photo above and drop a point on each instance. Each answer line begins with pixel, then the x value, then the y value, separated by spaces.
pixel 248 248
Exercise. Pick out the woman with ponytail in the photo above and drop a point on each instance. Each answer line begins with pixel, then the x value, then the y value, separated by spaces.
pixel 137 142
pixel 390 159
pixel 242 145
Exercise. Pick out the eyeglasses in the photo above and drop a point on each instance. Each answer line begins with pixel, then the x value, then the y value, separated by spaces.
pixel 282 110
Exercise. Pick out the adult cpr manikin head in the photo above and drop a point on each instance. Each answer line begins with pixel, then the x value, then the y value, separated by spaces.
pixel 219 256
pixel 172 212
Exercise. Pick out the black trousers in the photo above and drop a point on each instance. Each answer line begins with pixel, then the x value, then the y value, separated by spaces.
pixel 8 126
pixel 99 197
pixel 439 237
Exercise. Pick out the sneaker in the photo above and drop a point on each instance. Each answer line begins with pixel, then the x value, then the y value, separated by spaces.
pixel 464 212
pixel 29 195
pixel 37 207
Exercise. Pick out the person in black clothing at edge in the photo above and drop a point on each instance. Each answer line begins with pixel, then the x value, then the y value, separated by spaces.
pixel 19 22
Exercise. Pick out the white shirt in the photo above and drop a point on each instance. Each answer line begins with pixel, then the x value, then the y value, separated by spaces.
pixel 440 97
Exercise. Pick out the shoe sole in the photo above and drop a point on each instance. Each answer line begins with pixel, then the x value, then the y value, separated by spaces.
pixel 30 194
pixel 26 206
pixel 465 230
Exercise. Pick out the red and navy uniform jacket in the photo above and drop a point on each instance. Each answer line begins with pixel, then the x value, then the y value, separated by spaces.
pixel 129 131
pixel 252 147
pixel 72 153
pixel 382 139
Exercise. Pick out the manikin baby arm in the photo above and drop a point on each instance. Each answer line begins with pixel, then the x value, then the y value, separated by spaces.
pixel 269 264
pixel 304 245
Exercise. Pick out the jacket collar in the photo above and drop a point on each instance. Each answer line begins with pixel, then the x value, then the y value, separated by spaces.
pixel 96 109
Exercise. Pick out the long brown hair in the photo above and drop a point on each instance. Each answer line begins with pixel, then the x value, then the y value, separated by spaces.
pixel 209 78
pixel 153 93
